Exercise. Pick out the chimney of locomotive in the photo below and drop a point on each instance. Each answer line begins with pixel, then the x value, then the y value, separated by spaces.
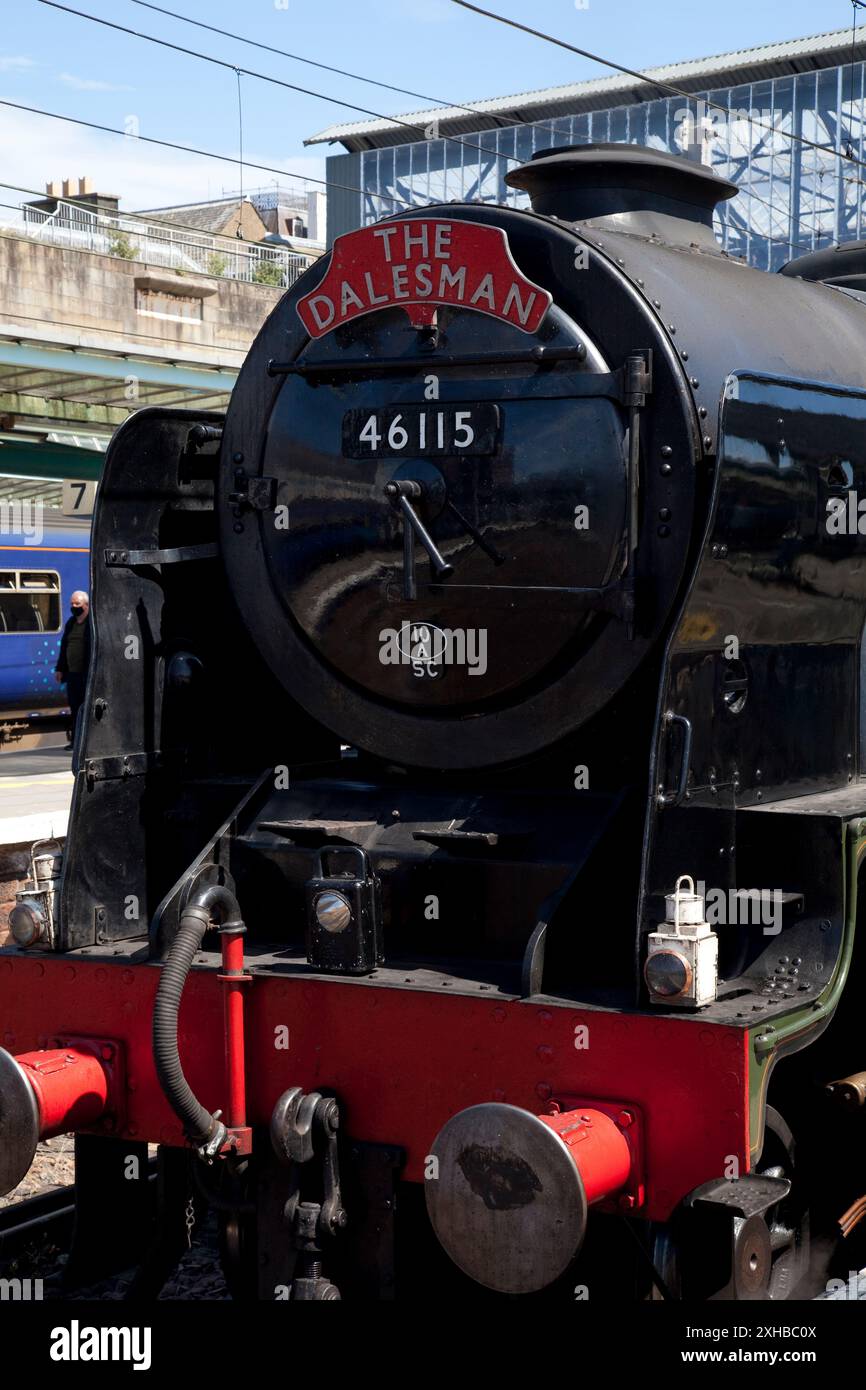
pixel 626 188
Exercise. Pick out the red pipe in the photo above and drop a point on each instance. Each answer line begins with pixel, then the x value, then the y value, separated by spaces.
pixel 598 1148
pixel 233 979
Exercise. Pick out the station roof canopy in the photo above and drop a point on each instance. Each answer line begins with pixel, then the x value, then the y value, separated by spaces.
pixel 48 387
pixel 733 69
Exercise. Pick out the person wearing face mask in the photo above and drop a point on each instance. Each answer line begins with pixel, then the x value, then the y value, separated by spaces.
pixel 74 656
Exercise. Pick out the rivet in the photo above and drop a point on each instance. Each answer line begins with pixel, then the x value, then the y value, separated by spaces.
pixel 665 469
pixel 664 532
pixel 237 458
pixel 657 304
pixel 695 382
pixel 665 514
pixel 703 412
pixel 708 443
pixel 666 451
pixel 684 355
pixel 238 528
pixel 672 328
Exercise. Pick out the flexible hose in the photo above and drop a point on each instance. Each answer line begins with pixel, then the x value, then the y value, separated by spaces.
pixel 202 1128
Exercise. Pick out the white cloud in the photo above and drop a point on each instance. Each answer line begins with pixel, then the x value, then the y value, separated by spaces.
pixel 91 84
pixel 15 64
pixel 34 149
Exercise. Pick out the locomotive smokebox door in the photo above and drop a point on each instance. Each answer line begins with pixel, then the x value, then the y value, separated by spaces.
pixel 344 931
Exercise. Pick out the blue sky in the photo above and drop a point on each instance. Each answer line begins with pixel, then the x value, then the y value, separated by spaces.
pixel 65 64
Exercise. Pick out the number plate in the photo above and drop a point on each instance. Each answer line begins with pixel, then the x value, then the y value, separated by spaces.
pixel 414 431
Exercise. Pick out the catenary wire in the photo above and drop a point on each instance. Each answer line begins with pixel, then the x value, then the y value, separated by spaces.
pixel 265 77
pixel 311 62
pixel 420 129
pixel 203 154
pixel 54 4
pixel 642 77
pixel 456 105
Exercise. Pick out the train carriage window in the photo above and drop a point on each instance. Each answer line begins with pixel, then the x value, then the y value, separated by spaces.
pixel 29 601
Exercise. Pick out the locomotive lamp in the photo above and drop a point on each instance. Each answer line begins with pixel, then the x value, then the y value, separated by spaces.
pixel 343 915
pixel 681 968
pixel 31 920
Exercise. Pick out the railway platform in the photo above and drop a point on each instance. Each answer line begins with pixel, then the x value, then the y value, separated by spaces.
pixel 35 792
pixel 35 795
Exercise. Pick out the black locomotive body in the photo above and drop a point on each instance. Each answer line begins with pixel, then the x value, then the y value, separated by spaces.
pixel 523 581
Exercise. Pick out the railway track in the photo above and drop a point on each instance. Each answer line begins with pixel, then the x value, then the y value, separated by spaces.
pixel 47 1216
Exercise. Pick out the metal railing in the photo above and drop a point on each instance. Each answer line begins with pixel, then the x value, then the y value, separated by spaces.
pixel 159 243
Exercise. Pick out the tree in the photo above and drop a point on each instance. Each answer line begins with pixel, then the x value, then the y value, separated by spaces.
pixel 120 245
pixel 268 273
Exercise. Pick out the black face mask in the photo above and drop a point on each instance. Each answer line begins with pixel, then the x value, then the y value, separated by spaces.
pixel 76 610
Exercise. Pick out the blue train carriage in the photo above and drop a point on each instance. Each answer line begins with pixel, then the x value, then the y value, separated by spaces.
pixel 37 579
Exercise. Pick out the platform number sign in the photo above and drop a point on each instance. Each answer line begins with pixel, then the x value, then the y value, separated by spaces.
pixel 79 496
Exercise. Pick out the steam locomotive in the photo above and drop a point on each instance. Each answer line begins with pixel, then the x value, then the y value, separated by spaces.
pixel 462 878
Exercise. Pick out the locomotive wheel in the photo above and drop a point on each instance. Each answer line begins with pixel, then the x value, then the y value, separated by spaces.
pixel 788 1222
pixel 770 1254
pixel 237 1249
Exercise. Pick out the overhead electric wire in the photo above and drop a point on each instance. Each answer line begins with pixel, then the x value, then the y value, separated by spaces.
pixel 265 77
pixel 54 4
pixel 147 216
pixel 475 111
pixel 642 77
pixel 203 154
pixel 149 220
pixel 442 102
pixel 311 62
